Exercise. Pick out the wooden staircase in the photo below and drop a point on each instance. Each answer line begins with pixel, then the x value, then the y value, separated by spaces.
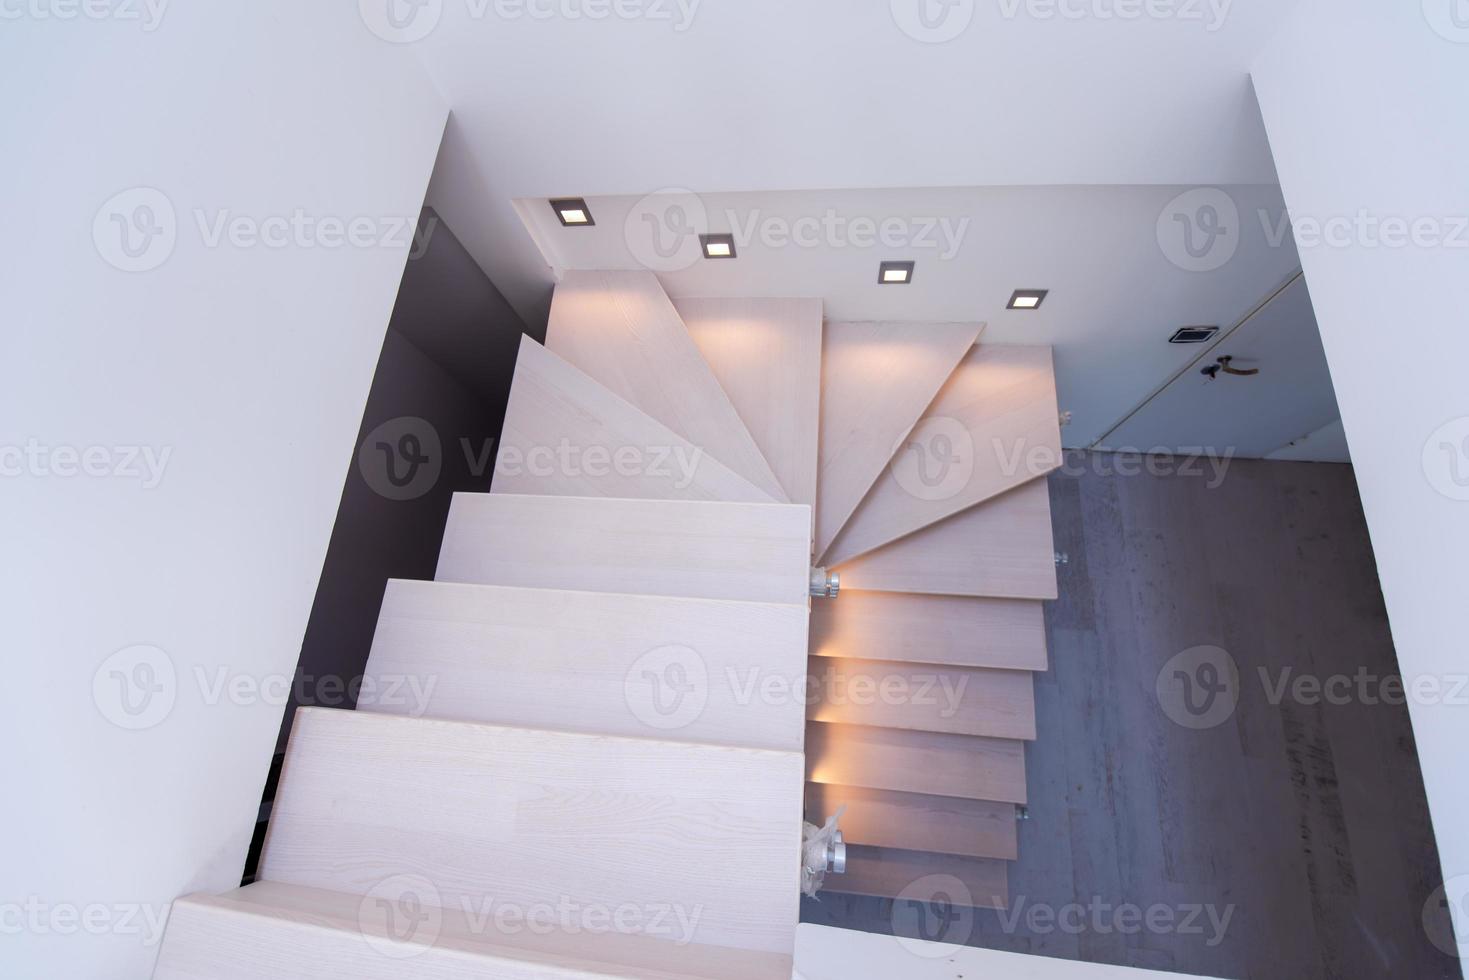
pixel 615 702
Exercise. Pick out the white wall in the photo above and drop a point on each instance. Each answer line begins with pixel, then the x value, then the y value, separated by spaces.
pixel 248 365
pixel 824 953
pixel 1364 104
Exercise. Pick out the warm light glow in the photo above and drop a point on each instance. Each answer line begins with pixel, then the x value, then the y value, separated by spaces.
pixel 574 216
pixel 718 250
pixel 895 275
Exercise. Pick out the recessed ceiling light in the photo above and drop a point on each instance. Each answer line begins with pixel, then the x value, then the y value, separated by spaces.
pixel 718 246
pixel 1193 335
pixel 1027 299
pixel 572 211
pixel 895 273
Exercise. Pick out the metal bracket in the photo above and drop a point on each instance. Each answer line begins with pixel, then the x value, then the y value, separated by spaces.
pixel 1062 558
pixel 836 855
pixel 824 584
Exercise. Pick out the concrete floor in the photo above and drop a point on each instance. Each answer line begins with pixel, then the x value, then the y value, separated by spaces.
pixel 1286 838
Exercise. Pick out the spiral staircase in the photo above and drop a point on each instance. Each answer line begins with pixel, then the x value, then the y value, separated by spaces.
pixel 634 700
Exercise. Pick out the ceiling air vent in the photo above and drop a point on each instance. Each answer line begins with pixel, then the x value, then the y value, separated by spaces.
pixel 1193 335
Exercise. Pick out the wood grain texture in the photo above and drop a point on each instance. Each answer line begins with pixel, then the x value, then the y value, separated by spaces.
pixel 876 380
pixel 621 329
pixel 915 822
pixel 566 434
pixel 766 355
pixel 274 931
pixel 754 552
pixel 993 427
pixel 923 697
pixel 933 763
pixel 1003 548
pixel 936 629
pixel 923 877
pixel 539 817
pixel 590 662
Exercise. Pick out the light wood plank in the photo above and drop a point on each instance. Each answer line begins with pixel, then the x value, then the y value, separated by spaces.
pixel 621 329
pixel 565 434
pixel 919 876
pixel 1003 548
pixel 934 763
pixel 993 427
pixel 923 697
pixel 638 665
pixel 876 380
pixel 540 817
pixel 938 629
pixel 913 821
pixel 755 552
pixel 766 354
pixel 273 931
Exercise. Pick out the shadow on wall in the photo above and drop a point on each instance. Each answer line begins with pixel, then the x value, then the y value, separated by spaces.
pixel 429 430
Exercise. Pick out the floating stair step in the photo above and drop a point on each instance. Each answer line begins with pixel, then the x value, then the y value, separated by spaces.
pixel 1002 548
pixel 274 931
pixel 921 876
pixel 600 663
pixel 754 552
pixel 566 434
pixel 959 630
pixel 917 822
pixel 876 381
pixel 993 427
pixel 766 355
pixel 537 817
pixel 923 697
pixel 933 763
pixel 621 329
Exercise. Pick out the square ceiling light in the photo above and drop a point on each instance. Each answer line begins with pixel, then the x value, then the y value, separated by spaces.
pixel 717 246
pixel 1027 299
pixel 572 212
pixel 1193 335
pixel 895 273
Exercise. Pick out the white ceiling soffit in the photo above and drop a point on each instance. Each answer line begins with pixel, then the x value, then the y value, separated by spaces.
pixel 1116 260
pixel 595 97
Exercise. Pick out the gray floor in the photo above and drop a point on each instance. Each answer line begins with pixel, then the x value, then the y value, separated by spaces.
pixel 1304 823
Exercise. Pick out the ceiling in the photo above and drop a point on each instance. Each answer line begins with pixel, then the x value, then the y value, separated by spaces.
pixel 1063 140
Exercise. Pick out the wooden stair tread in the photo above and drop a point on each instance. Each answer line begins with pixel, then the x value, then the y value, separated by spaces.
pixel 599 663
pixel 754 552
pixel 876 381
pixel 921 876
pixel 275 931
pixel 933 763
pixel 538 816
pixel 766 355
pixel 917 822
pixel 923 697
pixel 622 329
pixel 995 418
pixel 566 434
pixel 960 630
pixel 1002 548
